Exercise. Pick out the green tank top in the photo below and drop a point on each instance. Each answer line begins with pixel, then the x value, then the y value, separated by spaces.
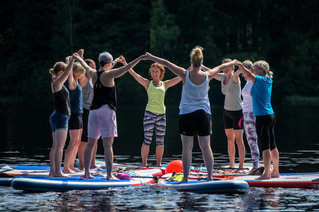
pixel 156 96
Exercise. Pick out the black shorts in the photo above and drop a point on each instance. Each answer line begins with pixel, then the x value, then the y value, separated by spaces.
pixel 75 121
pixel 265 127
pixel 85 118
pixel 198 122
pixel 233 119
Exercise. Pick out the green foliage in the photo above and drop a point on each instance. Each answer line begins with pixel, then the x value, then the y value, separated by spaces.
pixel 301 101
pixel 33 36
pixel 163 30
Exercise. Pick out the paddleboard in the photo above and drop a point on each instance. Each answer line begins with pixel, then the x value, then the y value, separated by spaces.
pixel 204 186
pixel 28 170
pixel 286 180
pixel 5 181
pixel 75 182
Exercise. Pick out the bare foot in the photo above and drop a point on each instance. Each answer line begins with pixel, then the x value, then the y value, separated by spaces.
pixel 89 176
pixel 263 177
pixel 257 171
pixel 60 175
pixel 75 170
pixel 275 174
pixel 184 180
pixel 112 177
pixel 93 166
pixel 68 171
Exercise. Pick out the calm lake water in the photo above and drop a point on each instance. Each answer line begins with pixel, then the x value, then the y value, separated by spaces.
pixel 25 139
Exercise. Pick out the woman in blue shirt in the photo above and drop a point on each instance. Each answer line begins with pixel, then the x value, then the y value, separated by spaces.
pixel 265 116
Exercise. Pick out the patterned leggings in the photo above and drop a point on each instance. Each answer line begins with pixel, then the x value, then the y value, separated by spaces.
pixel 251 136
pixel 151 121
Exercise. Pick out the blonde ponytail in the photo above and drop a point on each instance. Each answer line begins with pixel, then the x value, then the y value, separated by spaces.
pixel 196 56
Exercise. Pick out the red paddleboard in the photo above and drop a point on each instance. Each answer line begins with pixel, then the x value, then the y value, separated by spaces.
pixel 287 180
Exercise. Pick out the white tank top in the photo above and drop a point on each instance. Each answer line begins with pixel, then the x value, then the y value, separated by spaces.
pixel 194 97
pixel 247 100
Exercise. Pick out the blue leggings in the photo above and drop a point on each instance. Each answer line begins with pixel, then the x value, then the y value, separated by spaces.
pixel 251 136
pixel 151 121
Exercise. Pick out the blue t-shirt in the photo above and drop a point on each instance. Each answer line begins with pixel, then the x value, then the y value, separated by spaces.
pixel 261 96
pixel 76 100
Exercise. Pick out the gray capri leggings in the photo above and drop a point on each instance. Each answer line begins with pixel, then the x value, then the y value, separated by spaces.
pixel 151 121
pixel 251 136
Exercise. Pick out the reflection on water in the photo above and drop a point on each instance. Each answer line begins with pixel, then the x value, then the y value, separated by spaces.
pixel 153 198
pixel 26 139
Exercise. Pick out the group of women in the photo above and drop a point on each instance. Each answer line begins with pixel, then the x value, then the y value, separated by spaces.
pixel 194 115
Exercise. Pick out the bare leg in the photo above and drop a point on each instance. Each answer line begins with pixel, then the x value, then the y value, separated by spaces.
pixel 231 146
pixel 187 142
pixel 60 138
pixel 71 151
pixel 204 144
pixel 93 165
pixel 75 151
pixel 88 156
pixel 159 154
pixel 52 153
pixel 144 153
pixel 240 146
pixel 108 156
pixel 267 161
pixel 81 154
pixel 275 161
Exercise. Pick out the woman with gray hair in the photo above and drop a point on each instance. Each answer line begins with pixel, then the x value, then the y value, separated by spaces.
pixel 102 117
pixel 265 116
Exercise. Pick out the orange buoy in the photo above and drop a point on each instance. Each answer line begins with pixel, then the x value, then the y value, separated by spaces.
pixel 174 166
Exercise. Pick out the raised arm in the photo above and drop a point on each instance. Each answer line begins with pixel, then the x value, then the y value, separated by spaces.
pixel 58 83
pixel 115 73
pixel 213 73
pixel 88 69
pixel 172 82
pixel 143 81
pixel 216 76
pixel 236 76
pixel 178 71
pixel 71 80
pixel 116 61
pixel 246 71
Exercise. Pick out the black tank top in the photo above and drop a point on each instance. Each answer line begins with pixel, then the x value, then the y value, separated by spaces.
pixel 103 95
pixel 62 101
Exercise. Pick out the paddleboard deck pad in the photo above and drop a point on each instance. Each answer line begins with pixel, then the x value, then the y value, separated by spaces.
pixel 286 180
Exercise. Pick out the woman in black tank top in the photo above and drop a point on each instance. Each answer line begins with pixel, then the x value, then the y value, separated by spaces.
pixel 60 116
pixel 104 100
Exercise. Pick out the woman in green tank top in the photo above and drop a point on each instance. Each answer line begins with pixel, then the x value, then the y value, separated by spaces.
pixel 154 116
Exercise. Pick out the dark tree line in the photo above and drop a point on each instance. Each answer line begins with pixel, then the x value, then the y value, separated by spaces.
pixel 36 34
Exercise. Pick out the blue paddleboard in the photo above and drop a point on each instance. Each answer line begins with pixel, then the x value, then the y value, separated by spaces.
pixel 76 182
pixel 204 186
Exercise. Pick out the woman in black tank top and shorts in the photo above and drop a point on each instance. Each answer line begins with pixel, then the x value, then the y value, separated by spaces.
pixel 60 116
